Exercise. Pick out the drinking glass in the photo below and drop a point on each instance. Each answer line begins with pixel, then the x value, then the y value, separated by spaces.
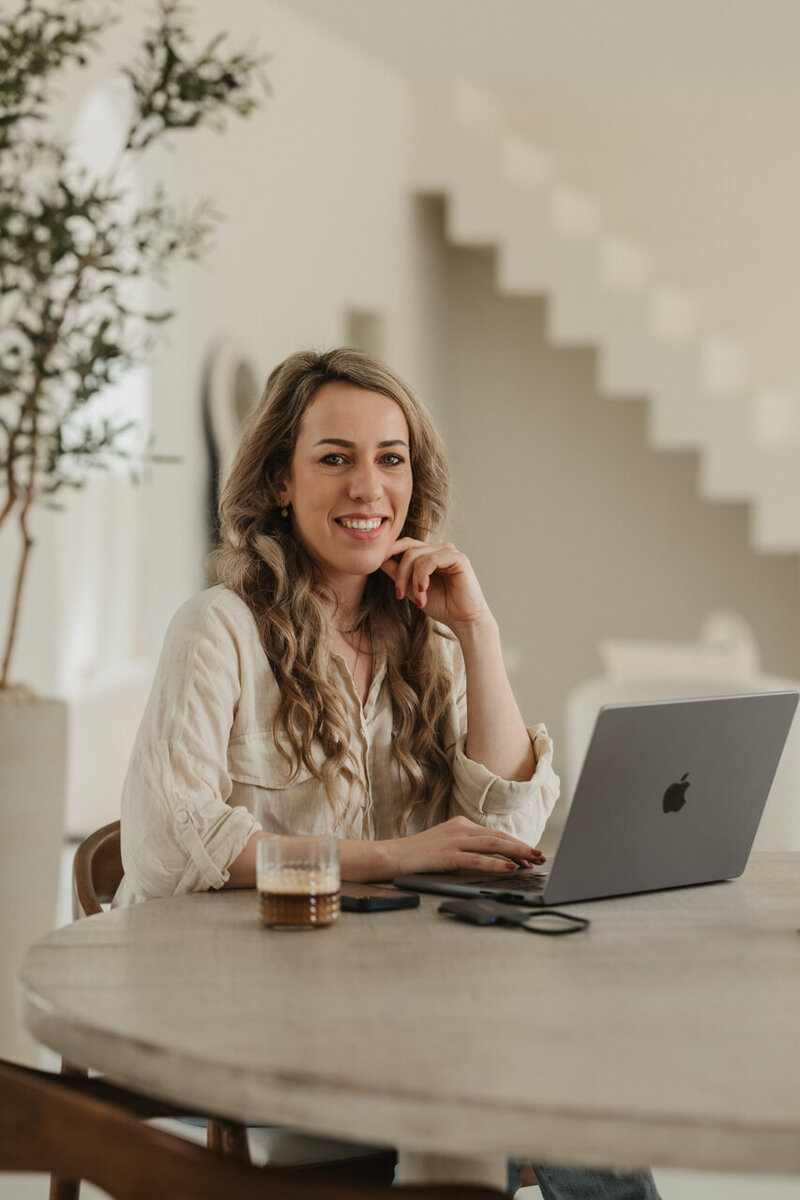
pixel 298 881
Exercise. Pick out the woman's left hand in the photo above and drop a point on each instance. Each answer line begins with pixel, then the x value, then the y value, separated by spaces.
pixel 439 580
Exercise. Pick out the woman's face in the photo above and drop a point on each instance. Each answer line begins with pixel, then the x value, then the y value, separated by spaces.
pixel 350 480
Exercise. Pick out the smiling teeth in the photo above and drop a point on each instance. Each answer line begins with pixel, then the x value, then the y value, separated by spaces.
pixel 365 525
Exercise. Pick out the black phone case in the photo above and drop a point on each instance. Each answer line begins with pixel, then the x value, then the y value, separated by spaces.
pixel 378 903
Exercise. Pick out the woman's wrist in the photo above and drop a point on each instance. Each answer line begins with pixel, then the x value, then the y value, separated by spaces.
pixel 367 862
pixel 475 631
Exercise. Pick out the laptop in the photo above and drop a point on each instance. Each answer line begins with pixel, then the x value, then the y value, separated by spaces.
pixel 670 795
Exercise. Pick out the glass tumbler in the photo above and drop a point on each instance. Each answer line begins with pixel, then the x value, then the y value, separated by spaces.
pixel 298 881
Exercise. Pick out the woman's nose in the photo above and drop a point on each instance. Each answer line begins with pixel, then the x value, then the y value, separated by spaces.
pixel 365 484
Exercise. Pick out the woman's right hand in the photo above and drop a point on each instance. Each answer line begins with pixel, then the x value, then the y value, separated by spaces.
pixel 460 844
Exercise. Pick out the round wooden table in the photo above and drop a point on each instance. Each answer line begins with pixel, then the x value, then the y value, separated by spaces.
pixel 668 1034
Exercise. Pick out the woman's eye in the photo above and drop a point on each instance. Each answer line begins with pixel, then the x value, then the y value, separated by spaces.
pixel 333 460
pixel 393 460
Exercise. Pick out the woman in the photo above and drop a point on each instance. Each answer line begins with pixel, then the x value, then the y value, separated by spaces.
pixel 325 684
pixel 346 674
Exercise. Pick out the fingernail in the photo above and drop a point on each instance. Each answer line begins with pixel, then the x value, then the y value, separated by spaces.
pixel 398 593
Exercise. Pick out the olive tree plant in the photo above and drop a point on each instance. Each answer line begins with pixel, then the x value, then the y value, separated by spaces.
pixel 76 247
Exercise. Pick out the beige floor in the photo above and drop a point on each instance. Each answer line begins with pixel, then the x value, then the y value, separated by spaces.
pixel 673 1185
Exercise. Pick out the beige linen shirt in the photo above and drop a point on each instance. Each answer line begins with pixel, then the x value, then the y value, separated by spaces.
pixel 205 773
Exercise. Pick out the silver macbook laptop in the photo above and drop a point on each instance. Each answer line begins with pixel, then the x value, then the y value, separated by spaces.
pixel 670 794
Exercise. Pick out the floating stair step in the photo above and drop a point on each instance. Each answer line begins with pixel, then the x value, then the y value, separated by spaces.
pixel 775 522
pixel 577 311
pixel 729 467
pixel 625 362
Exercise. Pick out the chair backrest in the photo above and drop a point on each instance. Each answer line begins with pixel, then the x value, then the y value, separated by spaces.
pixel 48 1125
pixel 96 871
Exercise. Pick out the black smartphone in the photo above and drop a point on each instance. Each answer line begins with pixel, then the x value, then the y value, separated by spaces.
pixel 371 897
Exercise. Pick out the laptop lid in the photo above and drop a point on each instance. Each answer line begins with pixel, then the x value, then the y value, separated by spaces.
pixel 670 794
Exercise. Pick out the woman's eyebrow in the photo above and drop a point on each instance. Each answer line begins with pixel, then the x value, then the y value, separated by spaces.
pixel 352 445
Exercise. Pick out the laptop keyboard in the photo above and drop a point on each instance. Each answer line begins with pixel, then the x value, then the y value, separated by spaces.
pixel 524 880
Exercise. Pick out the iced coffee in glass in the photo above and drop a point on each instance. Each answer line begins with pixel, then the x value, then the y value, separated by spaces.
pixel 298 881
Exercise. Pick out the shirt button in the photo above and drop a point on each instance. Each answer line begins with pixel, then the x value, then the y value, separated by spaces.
pixel 182 816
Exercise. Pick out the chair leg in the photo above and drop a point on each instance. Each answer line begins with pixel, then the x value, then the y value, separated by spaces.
pixel 228 1138
pixel 64 1189
pixel 67 1189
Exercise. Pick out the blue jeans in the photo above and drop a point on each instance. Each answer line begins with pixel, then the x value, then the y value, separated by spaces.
pixel 575 1183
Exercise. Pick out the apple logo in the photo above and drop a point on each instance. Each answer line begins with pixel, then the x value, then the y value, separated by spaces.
pixel 675 795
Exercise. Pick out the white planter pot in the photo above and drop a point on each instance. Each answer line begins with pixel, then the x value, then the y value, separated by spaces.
pixel 33 771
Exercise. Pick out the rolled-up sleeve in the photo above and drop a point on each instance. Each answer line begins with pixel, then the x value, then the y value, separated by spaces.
pixel 517 807
pixel 179 834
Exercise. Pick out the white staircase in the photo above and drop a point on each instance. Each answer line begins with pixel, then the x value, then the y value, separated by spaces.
pixel 501 191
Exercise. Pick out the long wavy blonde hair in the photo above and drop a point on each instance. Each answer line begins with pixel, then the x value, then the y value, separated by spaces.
pixel 260 560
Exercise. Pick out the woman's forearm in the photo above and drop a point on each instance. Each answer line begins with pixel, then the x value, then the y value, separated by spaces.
pixel 496 733
pixel 359 862
pixel 456 843
pixel 242 871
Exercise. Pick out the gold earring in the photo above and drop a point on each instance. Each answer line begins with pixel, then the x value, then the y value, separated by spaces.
pixel 284 511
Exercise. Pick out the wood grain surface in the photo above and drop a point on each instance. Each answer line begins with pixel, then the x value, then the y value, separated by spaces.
pixel 668 1034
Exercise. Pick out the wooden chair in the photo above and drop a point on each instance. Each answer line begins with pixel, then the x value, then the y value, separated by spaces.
pixel 96 871
pixel 84 1129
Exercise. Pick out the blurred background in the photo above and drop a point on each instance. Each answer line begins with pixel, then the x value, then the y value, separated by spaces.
pixel 574 227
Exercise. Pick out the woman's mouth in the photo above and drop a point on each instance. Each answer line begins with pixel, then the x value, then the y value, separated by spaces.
pixel 362 528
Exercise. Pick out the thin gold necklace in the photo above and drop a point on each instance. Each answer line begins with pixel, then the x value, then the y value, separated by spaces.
pixel 346 634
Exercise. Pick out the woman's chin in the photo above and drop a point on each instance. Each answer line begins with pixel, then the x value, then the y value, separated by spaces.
pixel 366 558
pixel 369 564
pixel 364 563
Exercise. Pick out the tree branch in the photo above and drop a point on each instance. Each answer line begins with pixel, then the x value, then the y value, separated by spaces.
pixel 27 544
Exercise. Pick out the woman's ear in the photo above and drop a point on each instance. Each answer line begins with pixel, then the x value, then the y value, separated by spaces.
pixel 281 488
